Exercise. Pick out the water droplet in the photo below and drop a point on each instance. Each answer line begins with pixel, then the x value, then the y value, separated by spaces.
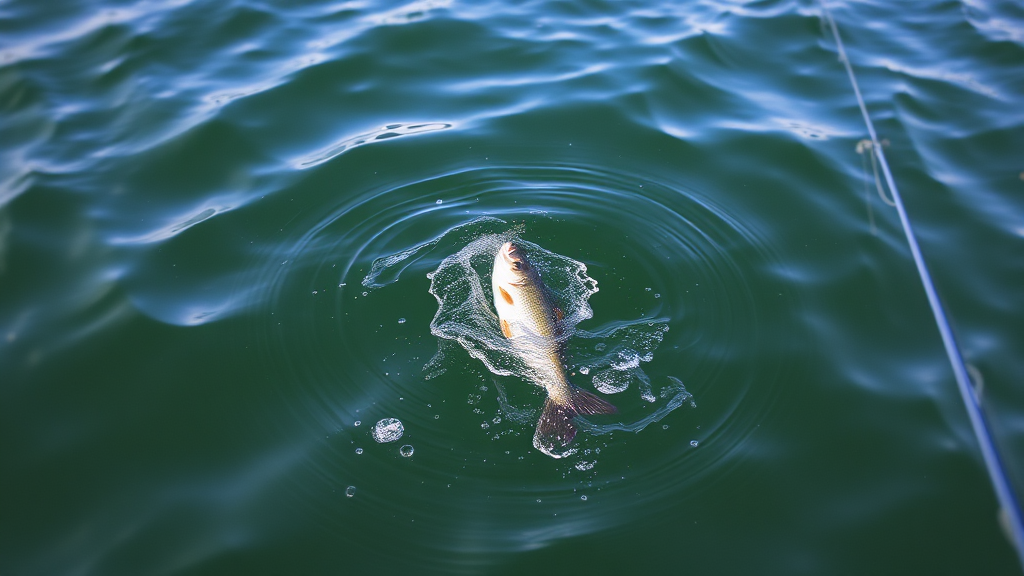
pixel 350 491
pixel 693 443
pixel 357 422
pixel 485 425
pixel 439 201
pixel 436 416
pixel 497 420
pixel 401 320
pixel 314 292
pixel 664 426
pixel 647 289
pixel 342 285
pixel 406 450
pixel 359 450
pixel 388 430
pixel 657 295
pixel 584 370
pixel 365 293
pixel 584 497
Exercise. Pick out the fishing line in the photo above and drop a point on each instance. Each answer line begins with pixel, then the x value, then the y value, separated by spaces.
pixel 1010 511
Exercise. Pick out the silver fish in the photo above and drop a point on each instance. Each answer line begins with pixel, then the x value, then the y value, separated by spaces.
pixel 531 321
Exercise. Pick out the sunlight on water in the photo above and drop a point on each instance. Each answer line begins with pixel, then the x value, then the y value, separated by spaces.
pixel 384 133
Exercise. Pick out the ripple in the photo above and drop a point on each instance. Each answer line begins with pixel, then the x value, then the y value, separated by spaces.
pixel 174 228
pixel 472 426
pixel 384 133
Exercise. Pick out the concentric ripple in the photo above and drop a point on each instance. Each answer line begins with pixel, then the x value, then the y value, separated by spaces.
pixel 673 271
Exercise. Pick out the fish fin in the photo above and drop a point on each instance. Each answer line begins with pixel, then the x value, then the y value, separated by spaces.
pixel 505 295
pixel 555 429
pixel 505 328
pixel 583 402
pixel 559 315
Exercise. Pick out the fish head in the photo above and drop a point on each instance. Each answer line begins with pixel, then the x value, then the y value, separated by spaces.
pixel 514 259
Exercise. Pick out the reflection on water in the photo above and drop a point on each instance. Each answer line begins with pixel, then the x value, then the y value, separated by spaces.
pixel 385 133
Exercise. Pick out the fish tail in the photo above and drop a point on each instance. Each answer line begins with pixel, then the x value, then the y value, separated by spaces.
pixel 555 429
pixel 585 403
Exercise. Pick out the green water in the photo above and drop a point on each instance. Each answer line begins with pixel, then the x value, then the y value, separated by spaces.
pixel 193 193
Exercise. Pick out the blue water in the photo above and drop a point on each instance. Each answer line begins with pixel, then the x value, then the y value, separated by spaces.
pixel 193 196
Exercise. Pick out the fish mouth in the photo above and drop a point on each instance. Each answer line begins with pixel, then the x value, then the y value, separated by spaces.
pixel 511 253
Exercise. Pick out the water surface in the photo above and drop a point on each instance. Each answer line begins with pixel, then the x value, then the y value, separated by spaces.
pixel 195 343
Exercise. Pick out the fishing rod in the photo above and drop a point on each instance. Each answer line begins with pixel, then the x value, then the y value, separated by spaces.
pixel 1010 509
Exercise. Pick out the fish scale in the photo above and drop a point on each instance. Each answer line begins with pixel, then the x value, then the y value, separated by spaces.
pixel 530 320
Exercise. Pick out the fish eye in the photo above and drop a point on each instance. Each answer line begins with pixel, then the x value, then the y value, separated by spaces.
pixel 517 265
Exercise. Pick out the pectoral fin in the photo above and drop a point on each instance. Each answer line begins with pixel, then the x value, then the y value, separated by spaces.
pixel 507 297
pixel 559 315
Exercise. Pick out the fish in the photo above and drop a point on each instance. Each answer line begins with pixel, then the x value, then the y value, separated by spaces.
pixel 532 322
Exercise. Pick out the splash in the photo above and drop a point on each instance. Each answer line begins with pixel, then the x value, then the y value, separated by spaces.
pixel 387 269
pixel 610 358
pixel 465 315
pixel 388 430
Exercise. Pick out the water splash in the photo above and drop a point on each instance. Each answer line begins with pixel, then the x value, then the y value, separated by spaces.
pixel 388 430
pixel 466 319
pixel 386 269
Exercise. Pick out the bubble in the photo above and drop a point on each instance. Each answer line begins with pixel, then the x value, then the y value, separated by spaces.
pixel 584 497
pixel 627 359
pixel 314 292
pixel 437 416
pixel 406 450
pixel 388 430
pixel 583 465
pixel 693 443
pixel 657 295
pixel 401 320
pixel 584 370
pixel 359 450
pixel 664 426
pixel 439 201
pixel 357 422
pixel 485 425
pixel 647 289
pixel 611 381
pixel 350 491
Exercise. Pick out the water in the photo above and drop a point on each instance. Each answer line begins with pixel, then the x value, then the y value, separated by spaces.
pixel 193 193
